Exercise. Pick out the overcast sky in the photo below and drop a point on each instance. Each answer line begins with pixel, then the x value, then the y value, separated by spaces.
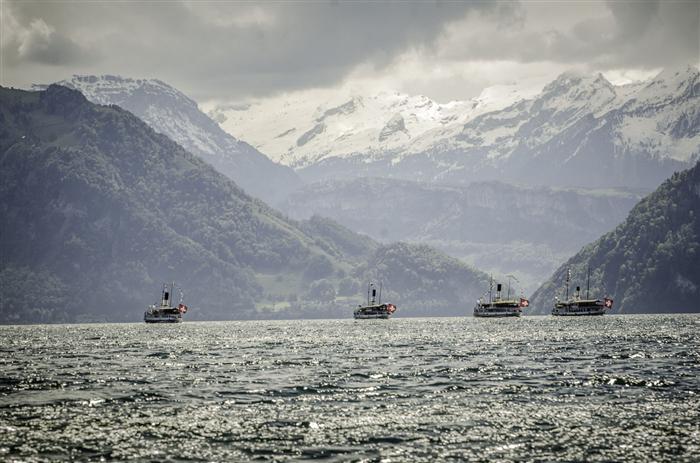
pixel 232 51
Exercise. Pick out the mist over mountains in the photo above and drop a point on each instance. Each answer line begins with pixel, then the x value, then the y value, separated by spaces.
pixel 494 226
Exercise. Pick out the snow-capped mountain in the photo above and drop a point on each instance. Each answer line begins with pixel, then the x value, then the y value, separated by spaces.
pixel 580 130
pixel 172 113
pixel 299 132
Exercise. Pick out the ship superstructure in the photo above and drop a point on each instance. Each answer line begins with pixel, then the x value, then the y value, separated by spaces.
pixel 495 306
pixel 576 306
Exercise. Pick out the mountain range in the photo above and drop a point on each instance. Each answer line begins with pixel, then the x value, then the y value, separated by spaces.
pixel 172 113
pixel 349 122
pixel 649 263
pixel 510 182
pixel 99 209
pixel 579 131
pixel 497 227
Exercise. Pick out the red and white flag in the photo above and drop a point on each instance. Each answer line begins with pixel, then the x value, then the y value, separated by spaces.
pixel 608 303
pixel 524 302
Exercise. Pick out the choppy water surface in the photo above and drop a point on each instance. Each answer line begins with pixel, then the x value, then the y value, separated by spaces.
pixel 536 388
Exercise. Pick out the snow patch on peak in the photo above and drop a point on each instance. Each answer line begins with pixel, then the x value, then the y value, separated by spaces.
pixel 580 93
pixel 670 85
pixel 111 89
pixel 677 74
pixel 576 85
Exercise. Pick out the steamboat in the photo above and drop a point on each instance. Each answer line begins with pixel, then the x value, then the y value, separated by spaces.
pixel 496 307
pixel 576 306
pixel 374 307
pixel 165 312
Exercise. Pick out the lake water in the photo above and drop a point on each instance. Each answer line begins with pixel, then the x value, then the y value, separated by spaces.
pixel 612 388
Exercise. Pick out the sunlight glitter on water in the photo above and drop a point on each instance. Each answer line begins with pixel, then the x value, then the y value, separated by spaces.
pixel 621 388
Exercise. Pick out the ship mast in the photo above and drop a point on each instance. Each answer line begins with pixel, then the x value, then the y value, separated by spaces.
pixel 568 277
pixel 588 282
pixel 511 277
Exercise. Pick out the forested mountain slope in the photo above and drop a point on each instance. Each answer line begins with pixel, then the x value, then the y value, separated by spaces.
pixel 650 262
pixel 170 112
pixel 98 209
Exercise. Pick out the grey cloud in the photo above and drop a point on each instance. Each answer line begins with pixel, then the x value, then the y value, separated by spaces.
pixel 233 50
pixel 53 49
pixel 670 36
pixel 238 49
pixel 633 18
pixel 635 34
pixel 39 42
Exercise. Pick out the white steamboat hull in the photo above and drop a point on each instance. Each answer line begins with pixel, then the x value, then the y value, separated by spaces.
pixel 150 318
pixel 497 314
pixel 378 311
pixel 497 310
pixel 365 316
pixel 577 311
pixel 162 320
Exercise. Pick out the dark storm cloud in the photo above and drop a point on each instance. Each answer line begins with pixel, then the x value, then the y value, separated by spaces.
pixel 234 48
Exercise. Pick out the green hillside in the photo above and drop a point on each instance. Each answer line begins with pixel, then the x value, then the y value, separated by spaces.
pixel 649 263
pixel 98 210
pixel 423 281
